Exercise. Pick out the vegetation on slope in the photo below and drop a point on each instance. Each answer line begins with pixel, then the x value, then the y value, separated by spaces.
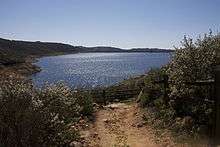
pixel 18 55
pixel 39 117
pixel 185 109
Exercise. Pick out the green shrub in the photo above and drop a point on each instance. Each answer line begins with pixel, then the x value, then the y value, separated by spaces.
pixel 60 100
pixel 37 117
pixel 193 62
pixel 144 99
pixel 152 90
pixel 159 103
pixel 86 102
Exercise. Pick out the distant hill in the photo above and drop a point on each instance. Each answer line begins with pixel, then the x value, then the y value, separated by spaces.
pixel 13 52
pixel 113 49
pixel 17 50
pixel 152 50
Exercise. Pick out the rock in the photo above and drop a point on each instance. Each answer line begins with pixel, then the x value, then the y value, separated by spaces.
pixel 74 128
pixel 133 125
pixel 136 114
pixel 76 144
pixel 141 124
pixel 95 105
pixel 187 121
pixel 115 106
pixel 82 121
pixel 178 119
pixel 95 134
pixel 101 107
pixel 84 134
pixel 105 120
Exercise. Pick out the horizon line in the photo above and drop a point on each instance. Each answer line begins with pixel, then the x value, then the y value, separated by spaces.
pixel 85 45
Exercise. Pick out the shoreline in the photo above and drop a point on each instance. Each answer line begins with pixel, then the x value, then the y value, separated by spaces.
pixel 28 67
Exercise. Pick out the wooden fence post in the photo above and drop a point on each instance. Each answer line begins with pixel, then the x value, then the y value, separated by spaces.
pixel 166 85
pixel 217 108
pixel 104 97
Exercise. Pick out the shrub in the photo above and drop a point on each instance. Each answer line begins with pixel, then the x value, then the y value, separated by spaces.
pixel 159 103
pixel 37 117
pixel 193 61
pixel 16 111
pixel 143 99
pixel 152 90
pixel 85 100
pixel 190 63
pixel 60 100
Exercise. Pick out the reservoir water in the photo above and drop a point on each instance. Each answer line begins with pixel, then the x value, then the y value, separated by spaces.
pixel 87 70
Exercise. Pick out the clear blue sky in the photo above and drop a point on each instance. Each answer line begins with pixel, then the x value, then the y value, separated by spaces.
pixel 119 23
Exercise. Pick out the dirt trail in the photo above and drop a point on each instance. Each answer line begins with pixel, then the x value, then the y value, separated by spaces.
pixel 120 125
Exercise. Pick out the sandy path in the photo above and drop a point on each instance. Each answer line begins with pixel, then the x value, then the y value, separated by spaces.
pixel 122 125
pixel 118 125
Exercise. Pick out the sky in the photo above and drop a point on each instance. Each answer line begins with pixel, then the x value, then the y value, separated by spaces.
pixel 117 23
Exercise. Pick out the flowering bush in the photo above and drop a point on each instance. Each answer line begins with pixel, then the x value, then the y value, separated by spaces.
pixel 194 61
pixel 36 117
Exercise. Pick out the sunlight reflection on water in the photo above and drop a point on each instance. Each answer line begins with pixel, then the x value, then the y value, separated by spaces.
pixel 96 69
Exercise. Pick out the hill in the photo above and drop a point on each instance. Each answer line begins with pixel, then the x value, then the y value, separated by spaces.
pixel 13 48
pixel 14 53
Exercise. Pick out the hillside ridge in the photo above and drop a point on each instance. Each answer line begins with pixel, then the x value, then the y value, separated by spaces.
pixel 14 53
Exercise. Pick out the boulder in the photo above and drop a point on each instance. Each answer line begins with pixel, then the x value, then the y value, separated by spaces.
pixel 76 144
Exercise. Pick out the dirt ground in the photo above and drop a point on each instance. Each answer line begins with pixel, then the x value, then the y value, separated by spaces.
pixel 121 125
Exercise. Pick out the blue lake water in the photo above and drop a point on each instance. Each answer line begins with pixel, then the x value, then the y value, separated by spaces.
pixel 86 70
